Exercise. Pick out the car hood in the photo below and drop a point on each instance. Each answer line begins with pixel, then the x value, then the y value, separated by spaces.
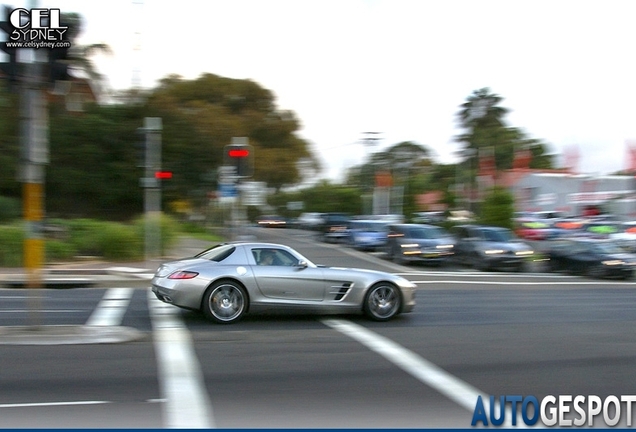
pixel 626 257
pixel 433 241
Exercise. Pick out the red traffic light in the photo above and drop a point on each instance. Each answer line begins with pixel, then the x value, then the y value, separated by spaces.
pixel 163 175
pixel 238 153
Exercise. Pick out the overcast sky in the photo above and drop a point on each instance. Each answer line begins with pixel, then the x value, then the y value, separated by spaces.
pixel 565 69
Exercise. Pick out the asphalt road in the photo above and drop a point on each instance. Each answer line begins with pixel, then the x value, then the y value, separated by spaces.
pixel 471 333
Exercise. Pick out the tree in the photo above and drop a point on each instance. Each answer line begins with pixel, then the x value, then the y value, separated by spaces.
pixel 498 208
pixel 218 109
pixel 483 120
pixel 80 56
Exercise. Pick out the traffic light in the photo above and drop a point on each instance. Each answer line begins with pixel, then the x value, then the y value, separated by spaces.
pixel 163 175
pixel 241 157
pixel 8 68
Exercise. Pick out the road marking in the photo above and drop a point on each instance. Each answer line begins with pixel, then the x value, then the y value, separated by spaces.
pixel 111 309
pixel 69 403
pixel 426 372
pixel 48 404
pixel 187 404
pixel 518 283
pixel 42 310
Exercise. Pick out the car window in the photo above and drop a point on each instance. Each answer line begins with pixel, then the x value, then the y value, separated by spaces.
pixel 217 253
pixel 497 235
pixel 426 233
pixel 273 257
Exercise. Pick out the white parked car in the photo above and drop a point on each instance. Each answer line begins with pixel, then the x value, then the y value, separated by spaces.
pixel 309 221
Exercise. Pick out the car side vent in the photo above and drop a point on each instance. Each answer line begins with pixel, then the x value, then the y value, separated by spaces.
pixel 339 291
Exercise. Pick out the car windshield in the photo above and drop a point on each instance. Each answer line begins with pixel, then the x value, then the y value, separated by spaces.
pixel 369 226
pixel 497 235
pixel 427 233
pixel 217 253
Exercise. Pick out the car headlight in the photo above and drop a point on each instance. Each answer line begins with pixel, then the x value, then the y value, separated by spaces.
pixel 524 253
pixel 493 251
pixel 409 245
pixel 613 262
pixel 446 246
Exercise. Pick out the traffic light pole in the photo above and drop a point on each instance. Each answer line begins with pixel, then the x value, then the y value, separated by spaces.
pixel 152 196
pixel 34 157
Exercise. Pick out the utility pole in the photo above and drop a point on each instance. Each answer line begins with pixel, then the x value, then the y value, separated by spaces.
pixel 152 185
pixel 34 156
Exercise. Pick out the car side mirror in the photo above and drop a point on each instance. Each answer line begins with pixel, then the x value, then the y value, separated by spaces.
pixel 302 264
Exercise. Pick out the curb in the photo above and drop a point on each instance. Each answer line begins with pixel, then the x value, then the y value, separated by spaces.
pixel 60 278
pixel 67 335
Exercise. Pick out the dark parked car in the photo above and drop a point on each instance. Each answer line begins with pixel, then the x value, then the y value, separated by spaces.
pixel 334 227
pixel 590 257
pixel 490 248
pixel 418 242
pixel 367 234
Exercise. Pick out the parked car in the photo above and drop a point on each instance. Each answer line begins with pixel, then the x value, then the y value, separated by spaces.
pixel 601 228
pixel 590 257
pixel 367 234
pixel 334 227
pixel 538 229
pixel 531 229
pixel 490 248
pixel 626 236
pixel 309 221
pixel 418 242
pixel 272 221
pixel 231 279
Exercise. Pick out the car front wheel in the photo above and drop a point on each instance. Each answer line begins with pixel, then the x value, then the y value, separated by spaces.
pixel 225 302
pixel 382 302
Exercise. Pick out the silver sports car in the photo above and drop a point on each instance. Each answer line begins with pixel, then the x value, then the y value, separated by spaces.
pixel 231 279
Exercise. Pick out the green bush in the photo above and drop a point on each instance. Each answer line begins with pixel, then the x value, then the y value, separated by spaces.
pixel 58 250
pixel 10 209
pixel 84 235
pixel 119 241
pixel 498 208
pixel 11 245
pixel 108 240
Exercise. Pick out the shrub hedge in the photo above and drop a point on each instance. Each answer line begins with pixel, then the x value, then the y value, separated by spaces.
pixel 68 239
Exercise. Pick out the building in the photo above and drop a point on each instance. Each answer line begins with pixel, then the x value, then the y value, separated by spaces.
pixel 572 194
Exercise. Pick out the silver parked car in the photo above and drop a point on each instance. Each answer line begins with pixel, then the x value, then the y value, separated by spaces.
pixel 231 279
pixel 408 243
pixel 490 248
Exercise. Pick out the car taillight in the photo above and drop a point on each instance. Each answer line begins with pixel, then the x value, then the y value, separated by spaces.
pixel 183 275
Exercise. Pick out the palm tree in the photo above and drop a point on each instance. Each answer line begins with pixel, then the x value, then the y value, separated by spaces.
pixel 79 56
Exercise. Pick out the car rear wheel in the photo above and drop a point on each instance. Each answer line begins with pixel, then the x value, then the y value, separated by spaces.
pixel 225 302
pixel 382 302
